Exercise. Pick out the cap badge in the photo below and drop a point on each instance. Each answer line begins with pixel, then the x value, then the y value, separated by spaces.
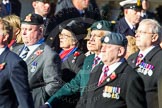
pixel 99 26
pixel 28 17
pixel 106 40
pixel 138 2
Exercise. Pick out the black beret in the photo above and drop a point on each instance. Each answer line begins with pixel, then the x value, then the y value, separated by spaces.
pixel 76 27
pixel 115 39
pixel 102 25
pixel 45 1
pixel 33 19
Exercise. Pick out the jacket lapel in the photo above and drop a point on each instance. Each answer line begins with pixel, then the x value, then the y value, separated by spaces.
pixel 4 55
pixel 114 74
pixel 95 75
pixel 33 56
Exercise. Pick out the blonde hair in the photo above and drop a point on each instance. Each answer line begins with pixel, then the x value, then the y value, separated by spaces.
pixel 7 29
pixel 15 23
pixel 131 47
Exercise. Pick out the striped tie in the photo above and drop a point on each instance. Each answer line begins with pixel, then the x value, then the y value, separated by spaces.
pixel 139 59
pixel 104 76
pixel 25 52
pixel 95 62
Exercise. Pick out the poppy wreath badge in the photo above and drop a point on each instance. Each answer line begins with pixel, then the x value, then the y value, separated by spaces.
pixel 111 77
pixel 38 52
pixel 76 54
pixel 2 65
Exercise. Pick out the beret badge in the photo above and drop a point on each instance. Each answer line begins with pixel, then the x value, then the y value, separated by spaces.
pixel 99 26
pixel 106 40
pixel 28 17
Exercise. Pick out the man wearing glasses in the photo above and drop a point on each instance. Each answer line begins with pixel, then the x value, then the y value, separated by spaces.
pixel 132 16
pixel 147 61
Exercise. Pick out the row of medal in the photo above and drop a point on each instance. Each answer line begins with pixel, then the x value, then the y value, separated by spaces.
pixel 145 69
pixel 111 92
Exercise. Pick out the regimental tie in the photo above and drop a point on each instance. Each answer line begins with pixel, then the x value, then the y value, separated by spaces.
pixel 25 52
pixel 104 75
pixel 95 62
pixel 139 59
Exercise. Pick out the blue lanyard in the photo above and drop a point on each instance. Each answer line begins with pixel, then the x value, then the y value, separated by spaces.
pixel 71 52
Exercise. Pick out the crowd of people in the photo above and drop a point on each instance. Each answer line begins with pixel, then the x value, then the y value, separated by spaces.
pixel 76 59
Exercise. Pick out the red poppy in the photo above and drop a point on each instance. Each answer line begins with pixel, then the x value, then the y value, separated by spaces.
pixel 113 76
pixel 2 66
pixel 76 54
pixel 38 52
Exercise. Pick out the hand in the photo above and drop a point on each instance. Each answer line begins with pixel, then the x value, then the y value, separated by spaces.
pixel 44 106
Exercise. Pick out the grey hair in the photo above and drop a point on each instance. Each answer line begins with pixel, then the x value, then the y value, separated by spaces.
pixel 155 26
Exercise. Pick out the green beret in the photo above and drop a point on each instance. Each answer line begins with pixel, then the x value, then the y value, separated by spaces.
pixel 102 25
pixel 33 19
pixel 115 39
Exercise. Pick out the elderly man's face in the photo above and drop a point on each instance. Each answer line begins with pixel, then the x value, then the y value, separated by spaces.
pixel 133 16
pixel 144 36
pixel 31 34
pixel 110 53
pixel 95 40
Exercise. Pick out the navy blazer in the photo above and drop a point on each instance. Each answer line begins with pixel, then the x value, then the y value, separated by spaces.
pixel 153 58
pixel 14 87
pixel 125 89
pixel 123 28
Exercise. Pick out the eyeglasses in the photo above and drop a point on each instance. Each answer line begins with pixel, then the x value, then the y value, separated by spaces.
pixel 64 35
pixel 143 32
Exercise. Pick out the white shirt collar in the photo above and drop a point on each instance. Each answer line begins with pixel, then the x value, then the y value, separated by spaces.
pixel 31 50
pixel 112 68
pixel 2 50
pixel 145 52
pixel 129 24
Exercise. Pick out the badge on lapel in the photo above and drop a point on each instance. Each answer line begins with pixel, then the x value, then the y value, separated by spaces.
pixel 2 65
pixel 38 52
pixel 76 54
pixel 33 67
pixel 111 77
pixel 111 92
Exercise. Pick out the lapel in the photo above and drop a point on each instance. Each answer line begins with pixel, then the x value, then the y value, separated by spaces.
pixel 95 75
pixel 3 55
pixel 149 56
pixel 33 56
pixel 18 49
pixel 125 27
pixel 88 62
pixel 111 78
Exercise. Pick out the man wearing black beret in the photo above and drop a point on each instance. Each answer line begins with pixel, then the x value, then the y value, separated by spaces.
pixel 113 83
pixel 44 65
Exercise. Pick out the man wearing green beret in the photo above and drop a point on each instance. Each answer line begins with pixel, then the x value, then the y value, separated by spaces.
pixel 79 82
pixel 113 83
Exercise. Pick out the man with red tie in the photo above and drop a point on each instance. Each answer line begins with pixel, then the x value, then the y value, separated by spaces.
pixel 148 37
pixel 79 82
pixel 113 83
